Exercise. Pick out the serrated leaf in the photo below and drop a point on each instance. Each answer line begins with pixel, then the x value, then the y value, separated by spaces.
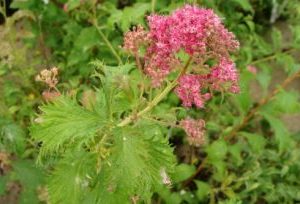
pixel 65 122
pixel 72 178
pixel 135 166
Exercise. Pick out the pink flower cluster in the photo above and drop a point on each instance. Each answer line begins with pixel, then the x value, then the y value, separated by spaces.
pixel 194 130
pixel 188 91
pixel 200 34
pixel 134 39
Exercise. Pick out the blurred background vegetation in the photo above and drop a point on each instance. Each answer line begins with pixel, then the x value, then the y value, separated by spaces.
pixel 258 159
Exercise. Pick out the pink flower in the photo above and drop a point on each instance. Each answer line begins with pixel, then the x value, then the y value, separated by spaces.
pixel 134 39
pixel 192 29
pixel 65 8
pixel 189 91
pixel 252 69
pixel 225 73
pixel 200 34
pixel 194 130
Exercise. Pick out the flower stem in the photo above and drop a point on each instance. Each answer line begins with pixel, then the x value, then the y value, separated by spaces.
pixel 153 4
pixel 157 99
pixel 273 56
pixel 108 44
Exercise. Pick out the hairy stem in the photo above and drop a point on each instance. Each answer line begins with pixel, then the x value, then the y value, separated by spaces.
pixel 251 113
pixel 157 99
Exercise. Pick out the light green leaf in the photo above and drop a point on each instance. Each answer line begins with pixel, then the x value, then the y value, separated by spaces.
pixel 72 178
pixel 138 163
pixel 217 150
pixel 282 135
pixel 64 122
pixel 203 189
pixel 256 142
pixel 277 39
pixel 183 172
pixel 245 4
pixel 87 38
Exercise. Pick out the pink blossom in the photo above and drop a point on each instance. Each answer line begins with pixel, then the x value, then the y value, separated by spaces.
pixel 200 34
pixel 192 29
pixel 225 73
pixel 194 130
pixel 252 69
pixel 189 91
pixel 134 39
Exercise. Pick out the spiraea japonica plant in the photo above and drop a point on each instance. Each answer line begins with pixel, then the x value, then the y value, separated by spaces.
pixel 113 146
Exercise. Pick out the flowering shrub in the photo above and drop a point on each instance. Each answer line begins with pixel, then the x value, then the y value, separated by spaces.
pixel 116 148
pixel 149 103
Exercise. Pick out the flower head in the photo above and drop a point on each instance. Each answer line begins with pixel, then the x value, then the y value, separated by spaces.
pixel 194 130
pixel 200 34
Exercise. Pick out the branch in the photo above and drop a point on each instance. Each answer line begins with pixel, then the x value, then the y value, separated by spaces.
pixel 157 99
pixel 106 41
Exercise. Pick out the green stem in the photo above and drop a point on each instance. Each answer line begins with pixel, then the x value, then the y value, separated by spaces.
pixel 157 99
pixel 108 44
pixel 153 3
pixel 3 8
pixel 270 57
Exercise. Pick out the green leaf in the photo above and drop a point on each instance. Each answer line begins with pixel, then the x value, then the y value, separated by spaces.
pixel 12 136
pixel 72 4
pixel 216 153
pixel 130 16
pixel 256 142
pixel 244 4
pixel 277 39
pixel 183 172
pixel 64 122
pixel 282 135
pixel 203 190
pixel 286 102
pixel 87 38
pixel 217 150
pixel 135 166
pixel 72 178
pixel 30 178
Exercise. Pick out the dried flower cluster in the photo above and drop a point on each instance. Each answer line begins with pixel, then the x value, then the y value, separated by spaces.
pixel 194 130
pixel 49 77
